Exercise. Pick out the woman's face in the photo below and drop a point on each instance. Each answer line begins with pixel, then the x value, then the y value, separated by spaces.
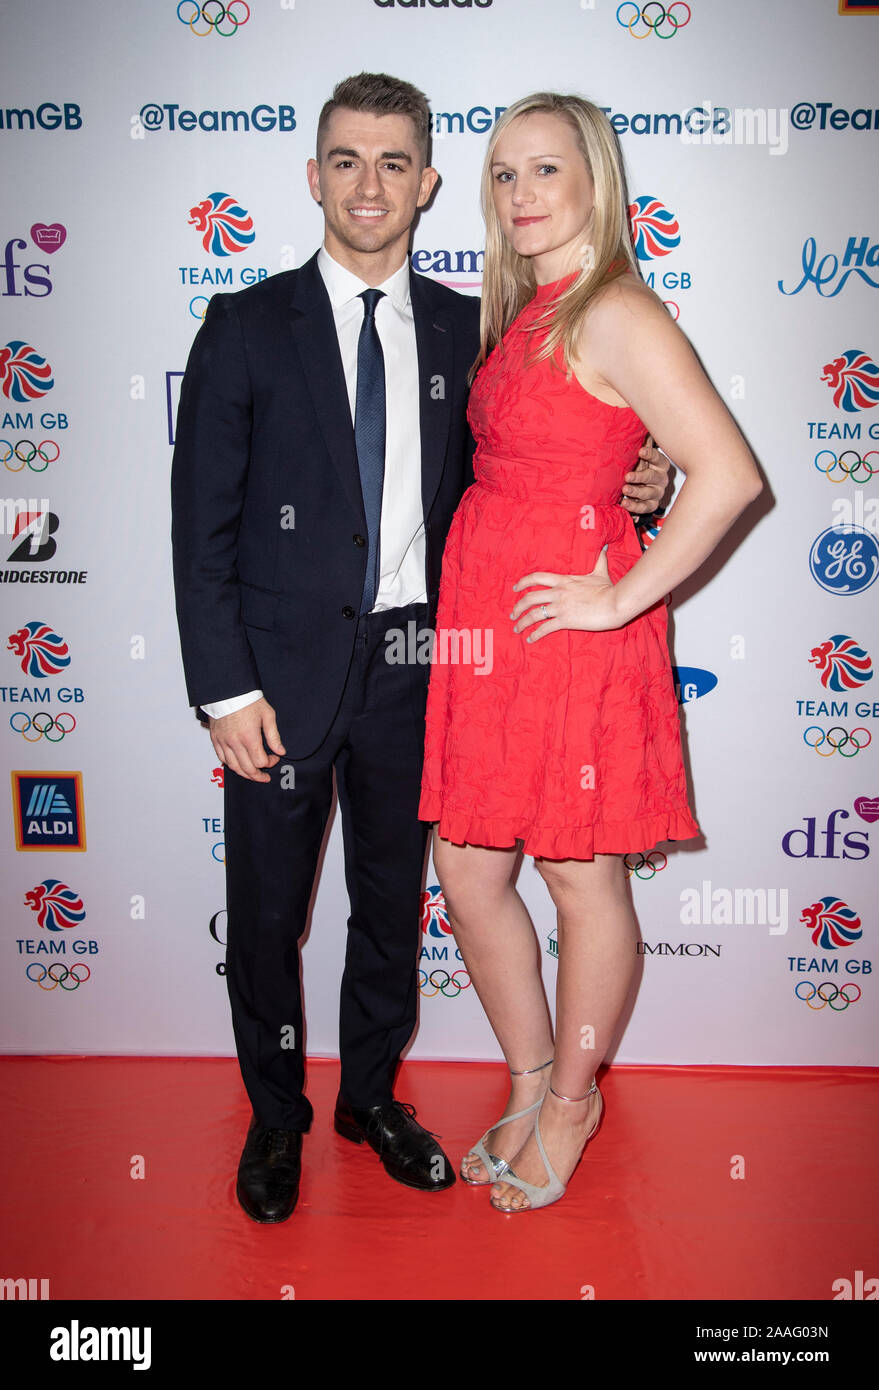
pixel 543 192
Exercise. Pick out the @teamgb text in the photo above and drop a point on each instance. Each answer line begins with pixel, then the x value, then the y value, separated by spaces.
pixel 645 865
pixel 54 980
pixel 653 18
pixel 836 740
pixel 213 17
pixel 50 727
pixel 441 982
pixel 818 994
pixel 848 464
pixel 22 454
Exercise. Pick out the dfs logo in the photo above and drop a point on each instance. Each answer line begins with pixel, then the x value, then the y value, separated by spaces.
pixel 855 843
pixel 48 238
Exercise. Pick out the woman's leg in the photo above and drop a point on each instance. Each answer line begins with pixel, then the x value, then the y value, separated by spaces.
pixel 597 933
pixel 497 940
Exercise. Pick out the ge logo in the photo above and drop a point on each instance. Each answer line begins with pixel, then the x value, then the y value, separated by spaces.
pixel 844 560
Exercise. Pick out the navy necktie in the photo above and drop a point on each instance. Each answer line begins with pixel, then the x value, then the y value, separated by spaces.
pixel 369 436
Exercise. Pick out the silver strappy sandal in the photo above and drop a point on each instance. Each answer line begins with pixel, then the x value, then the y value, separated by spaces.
pixel 490 1162
pixel 544 1196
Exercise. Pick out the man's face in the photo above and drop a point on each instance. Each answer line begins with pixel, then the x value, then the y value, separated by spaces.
pixel 369 182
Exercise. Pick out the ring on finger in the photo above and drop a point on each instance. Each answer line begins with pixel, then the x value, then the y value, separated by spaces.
pixel 545 614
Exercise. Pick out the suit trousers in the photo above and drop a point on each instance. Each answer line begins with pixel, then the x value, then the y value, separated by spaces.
pixel 274 833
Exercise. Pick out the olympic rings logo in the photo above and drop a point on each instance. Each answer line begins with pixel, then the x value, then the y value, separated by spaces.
pixel 8 452
pixel 653 26
pixel 198 307
pixel 213 13
pixel 838 745
pixel 848 464
pixel 449 986
pixel 645 866
pixel 57 979
pixel 42 730
pixel 828 999
pixel 221 857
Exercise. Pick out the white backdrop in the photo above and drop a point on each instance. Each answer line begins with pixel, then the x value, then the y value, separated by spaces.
pixel 108 140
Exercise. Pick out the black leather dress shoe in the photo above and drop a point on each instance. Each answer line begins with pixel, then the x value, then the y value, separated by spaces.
pixel 268 1172
pixel 409 1153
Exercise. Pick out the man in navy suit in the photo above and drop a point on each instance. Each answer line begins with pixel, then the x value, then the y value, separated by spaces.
pixel 322 448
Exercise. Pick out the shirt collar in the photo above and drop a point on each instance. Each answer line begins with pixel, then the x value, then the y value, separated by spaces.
pixel 343 285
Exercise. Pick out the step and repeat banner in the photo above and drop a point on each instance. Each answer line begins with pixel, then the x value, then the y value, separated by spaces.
pixel 155 154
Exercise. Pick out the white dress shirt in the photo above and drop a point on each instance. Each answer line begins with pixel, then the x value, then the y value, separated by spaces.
pixel 402 556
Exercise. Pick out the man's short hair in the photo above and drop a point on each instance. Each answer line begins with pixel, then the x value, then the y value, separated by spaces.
pixel 381 95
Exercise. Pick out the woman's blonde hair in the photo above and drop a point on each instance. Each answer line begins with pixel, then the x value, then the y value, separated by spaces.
pixel 508 279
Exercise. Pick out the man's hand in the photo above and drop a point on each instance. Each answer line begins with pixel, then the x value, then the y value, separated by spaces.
pixel 238 740
pixel 645 487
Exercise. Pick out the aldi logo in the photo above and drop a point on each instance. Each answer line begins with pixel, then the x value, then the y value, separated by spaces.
pixel 47 809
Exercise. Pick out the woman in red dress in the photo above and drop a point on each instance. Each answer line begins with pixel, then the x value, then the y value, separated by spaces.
pixel 552 721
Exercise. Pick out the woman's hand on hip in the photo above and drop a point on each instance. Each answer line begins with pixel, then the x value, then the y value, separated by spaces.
pixel 583 602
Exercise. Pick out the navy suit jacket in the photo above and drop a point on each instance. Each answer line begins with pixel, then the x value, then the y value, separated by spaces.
pixel 268 597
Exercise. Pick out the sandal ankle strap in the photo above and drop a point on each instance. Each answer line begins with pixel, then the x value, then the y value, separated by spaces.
pixel 574 1099
pixel 532 1070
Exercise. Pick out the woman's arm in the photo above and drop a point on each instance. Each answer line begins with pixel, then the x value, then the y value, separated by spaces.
pixel 632 344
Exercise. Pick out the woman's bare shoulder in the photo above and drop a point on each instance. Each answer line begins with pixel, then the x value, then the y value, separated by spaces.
pixel 623 298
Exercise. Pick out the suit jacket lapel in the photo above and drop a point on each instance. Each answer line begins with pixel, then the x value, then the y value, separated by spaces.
pixel 435 342
pixel 314 334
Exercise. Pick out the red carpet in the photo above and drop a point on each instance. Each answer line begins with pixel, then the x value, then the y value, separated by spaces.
pixel 651 1213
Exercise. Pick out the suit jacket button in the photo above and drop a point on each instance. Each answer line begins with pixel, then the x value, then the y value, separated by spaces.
pixel 348 611
pixel 360 540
